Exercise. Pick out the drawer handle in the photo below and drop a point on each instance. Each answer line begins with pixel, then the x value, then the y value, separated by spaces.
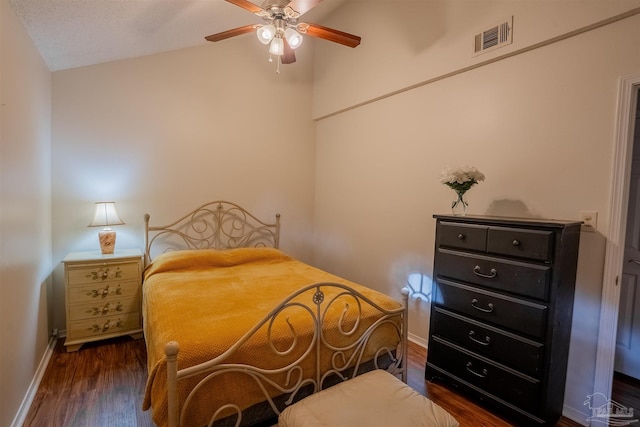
pixel 106 326
pixel 515 242
pixel 95 293
pixel 461 236
pixel 108 309
pixel 492 273
pixel 487 339
pixel 477 374
pixel 489 309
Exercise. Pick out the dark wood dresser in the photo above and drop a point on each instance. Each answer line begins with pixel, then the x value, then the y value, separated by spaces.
pixel 501 312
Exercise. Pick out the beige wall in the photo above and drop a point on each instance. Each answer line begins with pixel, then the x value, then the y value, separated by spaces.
pixel 539 124
pixel 166 133
pixel 25 213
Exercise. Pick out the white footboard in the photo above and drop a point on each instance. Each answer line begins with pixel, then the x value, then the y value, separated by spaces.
pixel 342 359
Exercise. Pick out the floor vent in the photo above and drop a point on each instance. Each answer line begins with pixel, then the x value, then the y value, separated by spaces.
pixel 495 37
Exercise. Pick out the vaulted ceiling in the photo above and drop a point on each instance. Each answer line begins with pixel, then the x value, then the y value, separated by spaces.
pixel 74 33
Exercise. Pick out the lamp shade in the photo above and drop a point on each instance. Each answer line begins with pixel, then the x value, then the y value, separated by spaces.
pixel 105 215
pixel 266 33
pixel 277 46
pixel 293 37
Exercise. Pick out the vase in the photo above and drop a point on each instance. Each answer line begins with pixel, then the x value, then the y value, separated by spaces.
pixel 459 205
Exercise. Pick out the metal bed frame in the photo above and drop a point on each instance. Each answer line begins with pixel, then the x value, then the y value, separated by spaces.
pixel 346 360
pixel 225 225
pixel 214 225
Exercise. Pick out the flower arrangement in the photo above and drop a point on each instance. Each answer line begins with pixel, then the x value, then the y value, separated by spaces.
pixel 461 180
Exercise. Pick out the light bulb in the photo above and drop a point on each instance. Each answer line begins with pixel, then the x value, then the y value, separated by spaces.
pixel 293 37
pixel 277 46
pixel 266 33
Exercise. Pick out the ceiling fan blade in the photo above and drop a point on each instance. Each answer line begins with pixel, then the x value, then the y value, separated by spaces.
pixel 230 33
pixel 289 56
pixel 303 6
pixel 315 30
pixel 245 4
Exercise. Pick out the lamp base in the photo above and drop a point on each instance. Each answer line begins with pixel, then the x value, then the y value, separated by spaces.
pixel 107 241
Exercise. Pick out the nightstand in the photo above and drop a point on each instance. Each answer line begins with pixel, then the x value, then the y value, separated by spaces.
pixel 102 296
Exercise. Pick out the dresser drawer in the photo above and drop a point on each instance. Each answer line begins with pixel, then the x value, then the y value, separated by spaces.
pixel 520 278
pixel 103 308
pixel 518 242
pixel 463 236
pixel 500 381
pixel 102 292
pixel 103 273
pixel 509 349
pixel 502 310
pixel 115 324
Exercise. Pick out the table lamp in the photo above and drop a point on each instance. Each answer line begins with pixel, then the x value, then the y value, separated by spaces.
pixel 105 216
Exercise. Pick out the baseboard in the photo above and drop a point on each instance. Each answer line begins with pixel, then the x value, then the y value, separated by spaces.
pixel 418 340
pixel 20 417
pixel 575 415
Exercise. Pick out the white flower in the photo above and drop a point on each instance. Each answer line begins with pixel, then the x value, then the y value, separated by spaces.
pixel 461 179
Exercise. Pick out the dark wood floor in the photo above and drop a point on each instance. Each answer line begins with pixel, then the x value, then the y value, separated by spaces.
pixel 626 392
pixel 100 385
pixel 103 384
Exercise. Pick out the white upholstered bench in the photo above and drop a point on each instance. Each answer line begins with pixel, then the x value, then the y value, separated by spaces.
pixel 373 399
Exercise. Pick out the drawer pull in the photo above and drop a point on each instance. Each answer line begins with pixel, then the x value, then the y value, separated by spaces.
pixel 104 274
pixel 95 293
pixel 104 310
pixel 492 273
pixel 461 236
pixel 515 242
pixel 489 309
pixel 477 374
pixel 487 339
pixel 106 326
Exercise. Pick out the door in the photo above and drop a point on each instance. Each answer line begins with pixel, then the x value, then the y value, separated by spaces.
pixel 627 360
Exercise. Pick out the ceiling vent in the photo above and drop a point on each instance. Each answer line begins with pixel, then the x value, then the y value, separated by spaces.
pixel 494 37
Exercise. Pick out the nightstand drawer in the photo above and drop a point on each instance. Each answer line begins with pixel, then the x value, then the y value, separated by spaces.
pixel 512 313
pixel 102 291
pixel 491 377
pixel 516 277
pixel 509 349
pixel 532 244
pixel 116 324
pixel 102 309
pixel 103 273
pixel 463 236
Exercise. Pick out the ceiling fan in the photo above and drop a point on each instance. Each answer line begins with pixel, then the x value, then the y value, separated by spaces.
pixel 281 29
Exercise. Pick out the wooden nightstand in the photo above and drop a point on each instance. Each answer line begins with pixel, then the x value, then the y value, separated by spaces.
pixel 102 296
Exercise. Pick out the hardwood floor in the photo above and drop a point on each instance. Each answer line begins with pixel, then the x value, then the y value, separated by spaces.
pixel 100 385
pixel 626 392
pixel 103 384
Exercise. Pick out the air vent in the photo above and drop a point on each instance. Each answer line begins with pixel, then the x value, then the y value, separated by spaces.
pixel 494 37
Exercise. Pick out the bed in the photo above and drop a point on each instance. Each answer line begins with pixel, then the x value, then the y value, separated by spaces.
pixel 236 329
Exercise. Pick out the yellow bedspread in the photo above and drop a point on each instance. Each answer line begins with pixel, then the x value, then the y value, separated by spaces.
pixel 207 299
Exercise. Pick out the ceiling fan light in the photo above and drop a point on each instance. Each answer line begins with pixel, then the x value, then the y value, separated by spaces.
pixel 266 33
pixel 293 37
pixel 277 46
